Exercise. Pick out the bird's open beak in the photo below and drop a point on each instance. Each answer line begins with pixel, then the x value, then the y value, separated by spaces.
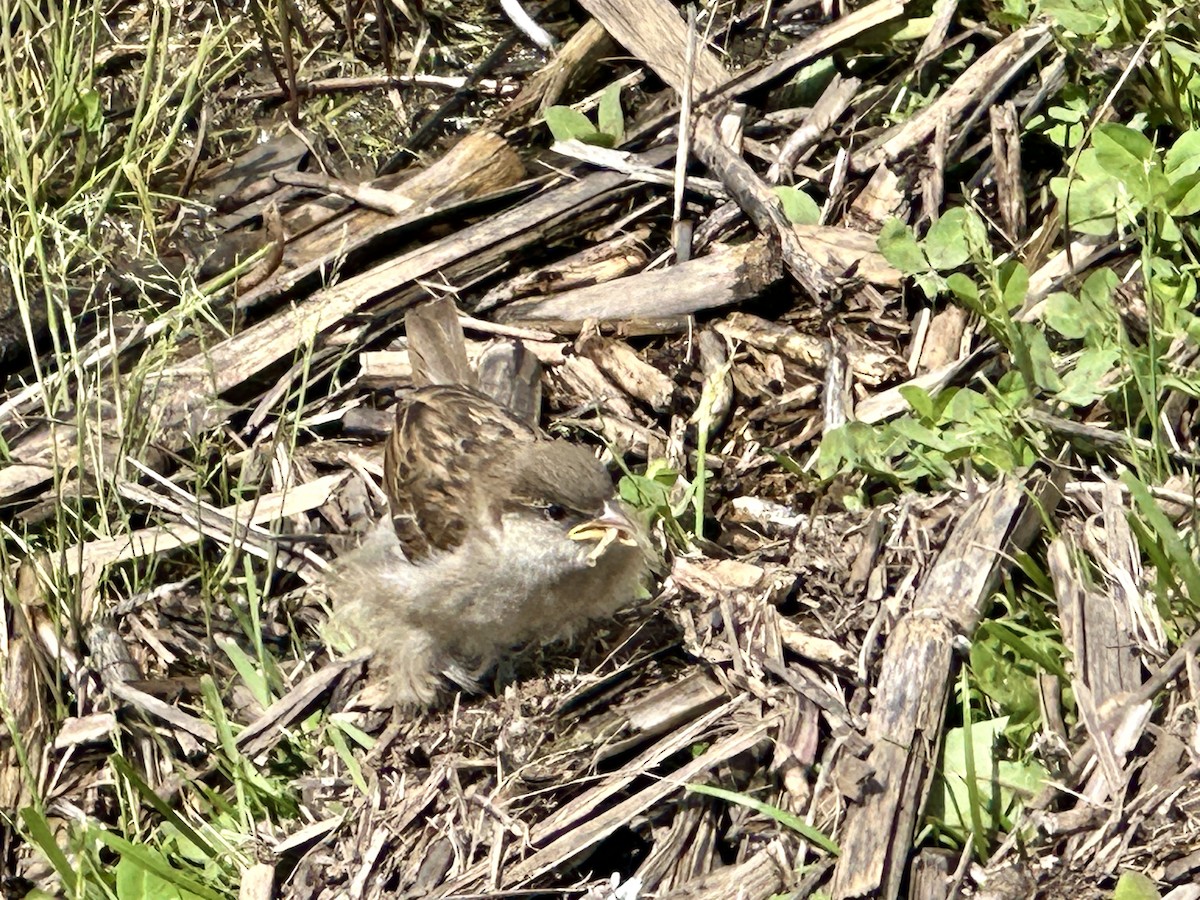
pixel 613 524
pixel 612 518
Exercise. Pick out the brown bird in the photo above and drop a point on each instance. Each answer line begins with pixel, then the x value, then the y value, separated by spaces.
pixel 498 536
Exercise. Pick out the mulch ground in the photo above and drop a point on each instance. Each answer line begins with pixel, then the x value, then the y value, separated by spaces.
pixel 803 653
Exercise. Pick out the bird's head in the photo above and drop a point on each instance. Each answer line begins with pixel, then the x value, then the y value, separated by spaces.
pixel 570 492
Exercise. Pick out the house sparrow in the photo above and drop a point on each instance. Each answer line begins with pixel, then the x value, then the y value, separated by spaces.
pixel 497 536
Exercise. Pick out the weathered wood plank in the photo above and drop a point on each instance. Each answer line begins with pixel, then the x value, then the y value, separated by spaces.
pixel 712 281
pixel 905 725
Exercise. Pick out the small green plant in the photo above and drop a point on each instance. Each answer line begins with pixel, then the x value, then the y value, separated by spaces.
pixel 799 207
pixel 1173 78
pixel 1065 122
pixel 1122 178
pixel 787 819
pixel 1172 553
pixel 1135 886
pixel 1094 20
pixel 651 492
pixel 567 124
pixel 1015 645
pixel 981 791
pixel 1089 361
pixel 929 444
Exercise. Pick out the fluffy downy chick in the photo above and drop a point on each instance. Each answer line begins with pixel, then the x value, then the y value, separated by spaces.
pixel 497 537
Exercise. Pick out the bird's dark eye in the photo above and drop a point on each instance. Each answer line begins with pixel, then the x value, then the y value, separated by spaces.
pixel 555 512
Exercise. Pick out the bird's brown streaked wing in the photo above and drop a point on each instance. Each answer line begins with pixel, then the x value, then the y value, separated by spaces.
pixel 444 437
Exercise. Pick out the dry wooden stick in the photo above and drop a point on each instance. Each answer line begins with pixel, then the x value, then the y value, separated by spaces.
pixel 660 40
pixel 719 279
pixel 479 164
pixel 819 42
pixel 763 874
pixel 1006 154
pixel 761 206
pixel 905 725
pixel 182 398
pixel 653 32
pixel 576 61
pixel 581 825
pixel 232 524
pixel 367 197
pixel 608 260
pixel 632 164
pixel 348 84
pixel 834 101
pixel 998 65
pixel 1095 627
pixel 681 229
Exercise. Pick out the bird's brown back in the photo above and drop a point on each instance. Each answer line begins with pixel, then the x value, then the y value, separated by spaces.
pixel 443 437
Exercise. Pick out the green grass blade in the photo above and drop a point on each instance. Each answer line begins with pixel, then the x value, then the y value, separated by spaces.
pixel 1182 564
pixel 783 817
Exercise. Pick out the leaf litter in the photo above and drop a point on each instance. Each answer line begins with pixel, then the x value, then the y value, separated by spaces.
pixel 874 469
